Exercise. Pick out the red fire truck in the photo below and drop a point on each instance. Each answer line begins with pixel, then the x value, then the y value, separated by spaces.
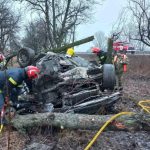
pixel 123 46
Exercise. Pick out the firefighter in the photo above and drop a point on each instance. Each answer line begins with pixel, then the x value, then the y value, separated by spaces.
pixel 10 80
pixel 70 52
pixel 101 54
pixel 120 62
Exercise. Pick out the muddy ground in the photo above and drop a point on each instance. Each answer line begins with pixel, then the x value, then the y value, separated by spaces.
pixel 136 87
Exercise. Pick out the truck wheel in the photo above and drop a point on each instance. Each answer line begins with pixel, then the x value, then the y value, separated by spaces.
pixel 109 77
pixel 25 56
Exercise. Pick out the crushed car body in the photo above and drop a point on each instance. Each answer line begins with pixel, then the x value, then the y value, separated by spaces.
pixel 68 84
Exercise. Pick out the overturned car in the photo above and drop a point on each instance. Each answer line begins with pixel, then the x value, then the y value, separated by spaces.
pixel 68 84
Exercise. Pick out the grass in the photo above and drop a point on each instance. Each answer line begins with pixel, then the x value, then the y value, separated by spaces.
pixel 139 66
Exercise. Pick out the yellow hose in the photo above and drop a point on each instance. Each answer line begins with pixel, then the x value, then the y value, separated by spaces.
pixel 1 119
pixel 141 103
pixel 104 126
pixel 146 108
pixel 1 128
pixel 1 122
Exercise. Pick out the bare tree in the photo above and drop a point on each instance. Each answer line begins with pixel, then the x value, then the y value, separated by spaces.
pixel 35 37
pixel 118 31
pixel 61 18
pixel 8 24
pixel 100 40
pixel 140 11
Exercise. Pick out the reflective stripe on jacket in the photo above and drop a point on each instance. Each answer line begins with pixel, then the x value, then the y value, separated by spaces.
pixel 15 76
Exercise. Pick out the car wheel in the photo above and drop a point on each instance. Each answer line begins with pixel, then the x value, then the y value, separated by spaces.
pixel 109 77
pixel 25 56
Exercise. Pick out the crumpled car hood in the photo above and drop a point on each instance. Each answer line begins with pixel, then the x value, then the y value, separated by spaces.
pixel 78 72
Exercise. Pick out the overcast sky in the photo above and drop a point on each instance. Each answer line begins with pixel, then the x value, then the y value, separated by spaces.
pixel 104 18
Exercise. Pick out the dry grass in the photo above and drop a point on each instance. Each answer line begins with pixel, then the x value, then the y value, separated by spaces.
pixel 16 142
pixel 139 66
pixel 137 79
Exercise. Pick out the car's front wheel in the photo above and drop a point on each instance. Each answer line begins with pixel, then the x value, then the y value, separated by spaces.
pixel 109 77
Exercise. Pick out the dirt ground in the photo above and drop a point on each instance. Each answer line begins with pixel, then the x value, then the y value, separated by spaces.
pixel 136 87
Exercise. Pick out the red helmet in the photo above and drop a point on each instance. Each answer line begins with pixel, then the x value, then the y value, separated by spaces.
pixel 32 72
pixel 2 57
pixel 96 49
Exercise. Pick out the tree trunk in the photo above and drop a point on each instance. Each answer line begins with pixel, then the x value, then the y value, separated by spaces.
pixel 48 24
pixel 80 121
pixel 109 51
pixel 64 48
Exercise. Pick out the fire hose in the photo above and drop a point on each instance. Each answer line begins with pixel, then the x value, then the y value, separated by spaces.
pixel 141 104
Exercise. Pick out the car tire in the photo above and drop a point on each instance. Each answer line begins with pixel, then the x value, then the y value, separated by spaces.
pixel 109 77
pixel 25 56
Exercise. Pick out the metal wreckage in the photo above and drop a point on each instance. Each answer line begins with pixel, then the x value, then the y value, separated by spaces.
pixel 69 85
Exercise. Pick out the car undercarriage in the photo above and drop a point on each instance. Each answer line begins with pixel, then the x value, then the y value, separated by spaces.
pixel 67 84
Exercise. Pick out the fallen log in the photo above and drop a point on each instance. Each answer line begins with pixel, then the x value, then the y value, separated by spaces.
pixel 80 121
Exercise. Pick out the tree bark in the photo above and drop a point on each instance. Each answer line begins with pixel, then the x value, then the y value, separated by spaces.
pixel 47 18
pixel 109 51
pixel 80 121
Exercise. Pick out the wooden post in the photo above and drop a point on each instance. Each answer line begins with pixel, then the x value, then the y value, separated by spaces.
pixel 109 51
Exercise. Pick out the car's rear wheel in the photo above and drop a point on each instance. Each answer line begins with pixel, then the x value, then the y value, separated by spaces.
pixel 25 56
pixel 109 77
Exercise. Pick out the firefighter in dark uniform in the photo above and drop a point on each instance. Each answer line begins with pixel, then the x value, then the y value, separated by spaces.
pixel 102 56
pixel 13 78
